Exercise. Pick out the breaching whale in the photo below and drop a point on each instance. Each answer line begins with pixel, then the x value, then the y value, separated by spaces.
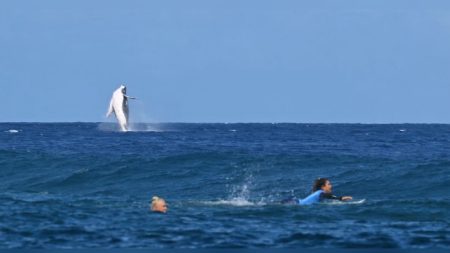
pixel 119 105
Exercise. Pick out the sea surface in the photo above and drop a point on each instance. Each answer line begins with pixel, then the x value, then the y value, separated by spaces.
pixel 87 185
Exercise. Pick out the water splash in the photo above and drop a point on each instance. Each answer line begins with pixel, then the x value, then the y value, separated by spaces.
pixel 108 127
pixel 145 127
pixel 134 127
pixel 232 202
pixel 241 194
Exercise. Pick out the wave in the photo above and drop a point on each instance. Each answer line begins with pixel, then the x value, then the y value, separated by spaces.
pixel 219 183
pixel 12 131
pixel 235 176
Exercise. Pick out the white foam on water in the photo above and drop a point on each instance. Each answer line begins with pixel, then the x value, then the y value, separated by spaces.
pixel 240 196
pixel 12 131
pixel 141 127
pixel 233 202
pixel 138 127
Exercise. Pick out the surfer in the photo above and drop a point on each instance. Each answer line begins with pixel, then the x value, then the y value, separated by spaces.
pixel 322 190
pixel 158 205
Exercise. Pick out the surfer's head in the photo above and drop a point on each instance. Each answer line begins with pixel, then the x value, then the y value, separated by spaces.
pixel 158 205
pixel 322 184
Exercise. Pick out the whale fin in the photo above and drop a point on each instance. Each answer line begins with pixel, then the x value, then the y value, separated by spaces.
pixel 110 109
pixel 129 97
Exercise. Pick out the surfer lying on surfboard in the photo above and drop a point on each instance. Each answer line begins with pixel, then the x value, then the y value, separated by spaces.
pixel 321 191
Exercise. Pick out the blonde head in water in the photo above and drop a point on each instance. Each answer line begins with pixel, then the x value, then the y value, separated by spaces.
pixel 158 205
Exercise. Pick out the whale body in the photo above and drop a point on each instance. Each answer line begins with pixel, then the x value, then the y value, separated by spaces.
pixel 119 105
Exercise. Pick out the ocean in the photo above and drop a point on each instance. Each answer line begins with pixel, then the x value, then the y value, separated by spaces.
pixel 87 185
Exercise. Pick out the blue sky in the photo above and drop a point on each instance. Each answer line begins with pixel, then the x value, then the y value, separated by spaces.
pixel 227 61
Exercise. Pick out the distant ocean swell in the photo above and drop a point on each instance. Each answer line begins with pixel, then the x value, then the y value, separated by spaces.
pixel 78 186
pixel 70 171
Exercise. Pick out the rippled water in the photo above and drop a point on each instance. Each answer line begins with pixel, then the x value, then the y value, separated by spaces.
pixel 85 185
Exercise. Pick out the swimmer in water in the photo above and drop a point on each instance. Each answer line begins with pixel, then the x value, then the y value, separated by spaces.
pixel 158 205
pixel 321 191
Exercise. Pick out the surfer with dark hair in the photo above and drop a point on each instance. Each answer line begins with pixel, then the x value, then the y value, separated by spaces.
pixel 322 190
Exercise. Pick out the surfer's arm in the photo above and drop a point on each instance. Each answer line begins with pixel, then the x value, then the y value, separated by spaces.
pixel 332 196
pixel 329 196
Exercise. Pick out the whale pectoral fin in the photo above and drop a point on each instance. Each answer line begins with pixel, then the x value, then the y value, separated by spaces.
pixel 129 97
pixel 110 109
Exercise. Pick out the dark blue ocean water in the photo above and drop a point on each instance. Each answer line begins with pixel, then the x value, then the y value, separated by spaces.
pixel 84 185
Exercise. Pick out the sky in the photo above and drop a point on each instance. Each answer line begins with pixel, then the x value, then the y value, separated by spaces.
pixel 374 61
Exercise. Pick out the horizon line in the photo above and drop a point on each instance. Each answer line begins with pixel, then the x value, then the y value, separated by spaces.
pixel 199 122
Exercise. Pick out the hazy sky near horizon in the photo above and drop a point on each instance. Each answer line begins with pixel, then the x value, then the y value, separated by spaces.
pixel 376 61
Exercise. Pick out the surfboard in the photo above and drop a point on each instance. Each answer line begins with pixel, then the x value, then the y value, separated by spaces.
pixel 351 202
